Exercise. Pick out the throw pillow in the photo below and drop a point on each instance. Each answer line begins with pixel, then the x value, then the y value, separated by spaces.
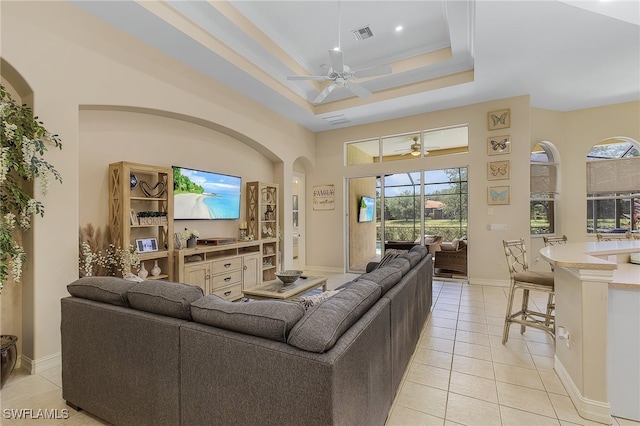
pixel 271 319
pixel 389 255
pixel 164 298
pixel 308 301
pixel 321 327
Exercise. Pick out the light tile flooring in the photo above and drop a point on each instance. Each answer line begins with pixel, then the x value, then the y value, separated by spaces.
pixel 462 374
pixel 459 374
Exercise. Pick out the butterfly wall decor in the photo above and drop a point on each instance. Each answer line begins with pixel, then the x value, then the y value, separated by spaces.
pixel 500 119
pixel 498 195
pixel 498 145
pixel 499 170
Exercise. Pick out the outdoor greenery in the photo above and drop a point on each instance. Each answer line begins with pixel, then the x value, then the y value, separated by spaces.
pixel 182 184
pixel 24 140
pixel 402 210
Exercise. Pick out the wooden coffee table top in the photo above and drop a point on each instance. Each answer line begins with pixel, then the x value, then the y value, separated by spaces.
pixel 278 290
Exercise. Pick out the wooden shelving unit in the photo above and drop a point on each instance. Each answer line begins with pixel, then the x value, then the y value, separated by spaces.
pixel 127 199
pixel 263 224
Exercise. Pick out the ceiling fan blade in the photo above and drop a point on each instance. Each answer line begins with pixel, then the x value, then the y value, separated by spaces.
pixel 337 60
pixel 323 95
pixel 308 77
pixel 373 71
pixel 357 89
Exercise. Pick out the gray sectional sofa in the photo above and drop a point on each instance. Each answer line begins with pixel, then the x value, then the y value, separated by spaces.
pixel 161 353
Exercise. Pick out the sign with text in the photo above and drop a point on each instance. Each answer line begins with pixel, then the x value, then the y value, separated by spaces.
pixel 324 197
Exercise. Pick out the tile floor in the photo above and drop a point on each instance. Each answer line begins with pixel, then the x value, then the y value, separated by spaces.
pixel 459 374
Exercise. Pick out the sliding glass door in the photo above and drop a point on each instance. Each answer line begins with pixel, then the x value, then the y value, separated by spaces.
pixel 407 206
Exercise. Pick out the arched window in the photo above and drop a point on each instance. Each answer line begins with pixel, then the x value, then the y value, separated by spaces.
pixel 542 189
pixel 613 186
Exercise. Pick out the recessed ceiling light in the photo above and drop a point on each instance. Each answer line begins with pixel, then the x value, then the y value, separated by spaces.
pixel 399 28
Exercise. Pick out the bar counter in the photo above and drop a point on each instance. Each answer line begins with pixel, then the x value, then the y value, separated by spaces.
pixel 597 296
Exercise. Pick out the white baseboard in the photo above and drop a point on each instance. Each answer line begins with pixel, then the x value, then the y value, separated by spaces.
pixel 489 282
pixel 324 269
pixel 40 365
pixel 597 411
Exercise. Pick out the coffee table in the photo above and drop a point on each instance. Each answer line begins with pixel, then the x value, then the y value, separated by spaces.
pixel 278 290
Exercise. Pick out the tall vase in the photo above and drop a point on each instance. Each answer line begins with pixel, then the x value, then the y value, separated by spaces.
pixel 155 271
pixel 143 273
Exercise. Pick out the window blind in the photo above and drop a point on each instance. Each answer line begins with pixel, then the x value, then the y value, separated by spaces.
pixel 542 179
pixel 614 175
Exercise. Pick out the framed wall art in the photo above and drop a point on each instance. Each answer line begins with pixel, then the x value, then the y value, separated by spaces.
pixel 500 119
pixel 146 245
pixel 498 195
pixel 497 145
pixel 497 170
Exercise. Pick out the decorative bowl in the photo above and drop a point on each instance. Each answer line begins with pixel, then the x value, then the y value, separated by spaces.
pixel 288 276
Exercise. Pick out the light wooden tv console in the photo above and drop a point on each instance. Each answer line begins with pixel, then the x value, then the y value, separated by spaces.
pixel 225 269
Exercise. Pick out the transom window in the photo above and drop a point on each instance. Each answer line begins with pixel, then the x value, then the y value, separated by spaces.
pixel 408 146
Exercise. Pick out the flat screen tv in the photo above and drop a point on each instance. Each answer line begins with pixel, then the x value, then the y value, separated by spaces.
pixel 198 194
pixel 367 209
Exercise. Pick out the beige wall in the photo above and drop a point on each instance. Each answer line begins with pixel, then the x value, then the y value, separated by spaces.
pixel 112 98
pixel 486 263
pixel 80 69
pixel 573 134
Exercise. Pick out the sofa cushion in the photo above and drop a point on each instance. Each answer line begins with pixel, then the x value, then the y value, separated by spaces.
pixel 110 290
pixel 164 298
pixel 321 327
pixel 400 263
pixel 271 319
pixel 413 257
pixel 387 277
pixel 419 249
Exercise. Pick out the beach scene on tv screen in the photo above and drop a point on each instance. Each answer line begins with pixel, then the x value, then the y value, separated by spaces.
pixel 205 195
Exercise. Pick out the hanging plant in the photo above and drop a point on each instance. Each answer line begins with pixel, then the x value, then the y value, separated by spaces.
pixel 24 142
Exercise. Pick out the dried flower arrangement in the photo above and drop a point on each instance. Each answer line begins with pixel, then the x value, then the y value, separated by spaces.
pixel 99 256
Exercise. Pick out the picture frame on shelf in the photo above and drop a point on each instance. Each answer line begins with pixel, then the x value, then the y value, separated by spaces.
pixel 147 245
pixel 499 119
pixel 269 249
pixel 497 145
pixel 498 195
pixel 497 170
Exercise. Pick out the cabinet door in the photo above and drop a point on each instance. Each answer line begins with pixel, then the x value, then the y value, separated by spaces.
pixel 198 274
pixel 251 270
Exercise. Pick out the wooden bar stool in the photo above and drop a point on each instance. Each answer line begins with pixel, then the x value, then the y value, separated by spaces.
pixel 525 280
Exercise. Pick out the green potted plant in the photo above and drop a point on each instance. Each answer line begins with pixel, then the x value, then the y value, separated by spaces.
pixel 24 140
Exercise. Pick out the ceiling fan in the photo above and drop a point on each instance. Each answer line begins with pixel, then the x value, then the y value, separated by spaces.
pixel 414 148
pixel 341 74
